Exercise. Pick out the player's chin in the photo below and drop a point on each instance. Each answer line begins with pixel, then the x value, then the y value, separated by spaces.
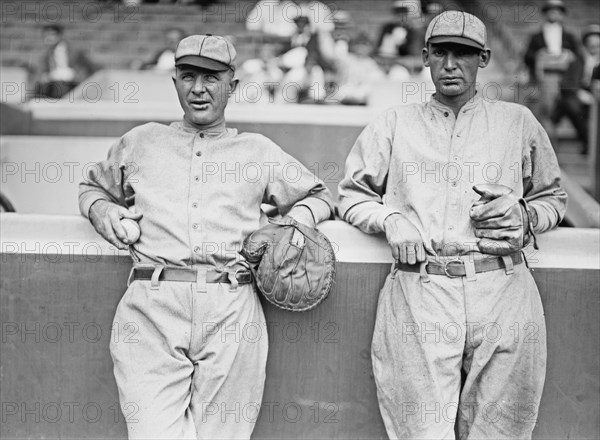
pixel 451 90
pixel 201 117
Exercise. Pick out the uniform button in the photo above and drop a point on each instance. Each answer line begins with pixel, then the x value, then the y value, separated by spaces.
pixel 195 226
pixel 197 249
pixel 197 178
pixel 198 153
pixel 201 135
pixel 446 114
pixel 194 205
pixel 450 228
pixel 454 183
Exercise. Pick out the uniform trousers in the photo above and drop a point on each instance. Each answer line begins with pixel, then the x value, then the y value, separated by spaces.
pixel 189 364
pixel 462 359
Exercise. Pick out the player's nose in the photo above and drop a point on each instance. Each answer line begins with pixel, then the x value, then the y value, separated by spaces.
pixel 199 86
pixel 450 61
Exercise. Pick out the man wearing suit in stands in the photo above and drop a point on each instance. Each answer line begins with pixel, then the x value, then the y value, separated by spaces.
pixel 553 38
pixel 549 54
pixel 459 185
pixel 575 98
pixel 197 367
pixel 61 68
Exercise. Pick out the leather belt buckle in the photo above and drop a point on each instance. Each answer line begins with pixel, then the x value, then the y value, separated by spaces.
pixel 446 264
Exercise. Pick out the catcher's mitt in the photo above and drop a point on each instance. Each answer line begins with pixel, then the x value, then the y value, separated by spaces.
pixel 293 264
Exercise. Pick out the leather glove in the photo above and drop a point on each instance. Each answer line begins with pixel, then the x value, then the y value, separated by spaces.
pixel 293 264
pixel 500 219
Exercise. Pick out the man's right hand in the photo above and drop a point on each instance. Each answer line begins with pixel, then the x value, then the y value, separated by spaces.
pixel 106 218
pixel 404 239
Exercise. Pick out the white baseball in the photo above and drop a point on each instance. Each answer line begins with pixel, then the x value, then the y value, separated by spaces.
pixel 132 228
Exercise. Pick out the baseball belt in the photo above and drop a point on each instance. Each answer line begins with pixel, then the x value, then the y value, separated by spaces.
pixel 156 274
pixel 457 266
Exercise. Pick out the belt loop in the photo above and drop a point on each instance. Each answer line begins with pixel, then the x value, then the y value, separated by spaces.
pixel 201 280
pixel 232 280
pixel 508 264
pixel 130 277
pixel 393 270
pixel 154 280
pixel 423 271
pixel 469 264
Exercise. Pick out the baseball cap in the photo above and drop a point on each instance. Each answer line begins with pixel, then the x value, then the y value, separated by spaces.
pixel 206 51
pixel 457 27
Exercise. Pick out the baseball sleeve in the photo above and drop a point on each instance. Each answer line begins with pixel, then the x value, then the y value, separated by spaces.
pixel 363 186
pixel 541 178
pixel 292 185
pixel 105 180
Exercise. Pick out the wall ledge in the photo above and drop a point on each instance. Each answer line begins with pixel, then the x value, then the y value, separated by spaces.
pixel 563 248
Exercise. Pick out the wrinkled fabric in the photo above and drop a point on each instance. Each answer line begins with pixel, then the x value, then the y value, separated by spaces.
pixel 193 364
pixel 422 162
pixel 199 192
pixel 427 334
pixel 189 364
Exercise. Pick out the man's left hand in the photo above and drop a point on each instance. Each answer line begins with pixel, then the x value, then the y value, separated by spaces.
pixel 500 220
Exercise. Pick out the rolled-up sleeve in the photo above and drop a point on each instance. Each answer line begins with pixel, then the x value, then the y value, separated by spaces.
pixel 541 178
pixel 361 190
pixel 291 185
pixel 105 180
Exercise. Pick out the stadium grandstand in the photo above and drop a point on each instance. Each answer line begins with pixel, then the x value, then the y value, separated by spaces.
pixel 61 283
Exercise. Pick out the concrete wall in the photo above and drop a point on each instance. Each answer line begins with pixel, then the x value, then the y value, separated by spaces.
pixel 61 284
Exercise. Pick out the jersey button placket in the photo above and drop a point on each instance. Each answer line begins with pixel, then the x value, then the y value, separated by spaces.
pixel 194 220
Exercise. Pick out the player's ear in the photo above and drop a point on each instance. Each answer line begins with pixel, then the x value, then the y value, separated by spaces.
pixel 425 55
pixel 484 58
pixel 233 85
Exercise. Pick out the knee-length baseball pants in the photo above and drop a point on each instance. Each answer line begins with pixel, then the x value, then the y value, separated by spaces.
pixel 189 364
pixel 463 359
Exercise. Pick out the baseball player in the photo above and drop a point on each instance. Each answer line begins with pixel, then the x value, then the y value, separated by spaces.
pixel 459 185
pixel 194 364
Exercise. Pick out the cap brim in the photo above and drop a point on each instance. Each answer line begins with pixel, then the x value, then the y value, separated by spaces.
pixel 457 40
pixel 548 7
pixel 202 62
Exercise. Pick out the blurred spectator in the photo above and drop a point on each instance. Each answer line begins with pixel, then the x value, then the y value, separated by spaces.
pixel 272 17
pixel 591 44
pixel 164 59
pixel 550 53
pixel 309 61
pixel 260 77
pixel 276 17
pixel 61 68
pixel 575 96
pixel 342 32
pixel 358 72
pixel 553 44
pixel 397 38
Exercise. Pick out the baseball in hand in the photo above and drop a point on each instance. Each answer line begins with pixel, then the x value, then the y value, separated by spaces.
pixel 132 228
